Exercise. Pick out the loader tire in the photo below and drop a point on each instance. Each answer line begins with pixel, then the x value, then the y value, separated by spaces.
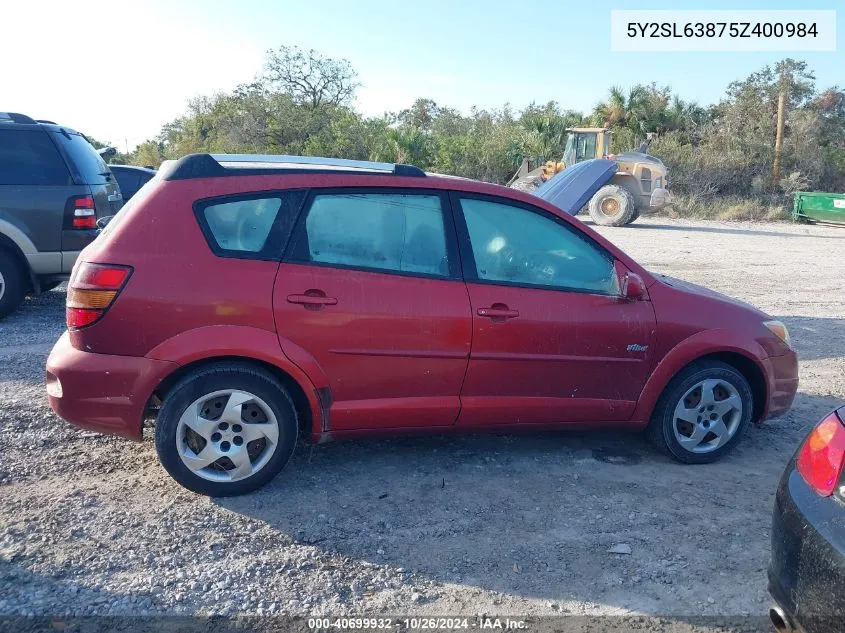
pixel 613 205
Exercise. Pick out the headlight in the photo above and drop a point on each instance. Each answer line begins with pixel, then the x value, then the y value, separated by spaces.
pixel 779 329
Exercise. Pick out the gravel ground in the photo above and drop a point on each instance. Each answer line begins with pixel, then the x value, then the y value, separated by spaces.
pixel 578 523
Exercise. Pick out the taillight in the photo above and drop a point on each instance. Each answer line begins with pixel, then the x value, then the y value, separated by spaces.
pixel 92 290
pixel 82 213
pixel 822 456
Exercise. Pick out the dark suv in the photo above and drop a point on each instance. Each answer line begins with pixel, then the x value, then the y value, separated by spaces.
pixel 53 189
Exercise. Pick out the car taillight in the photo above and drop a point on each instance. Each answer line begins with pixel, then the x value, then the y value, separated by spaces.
pixel 92 290
pixel 81 213
pixel 822 456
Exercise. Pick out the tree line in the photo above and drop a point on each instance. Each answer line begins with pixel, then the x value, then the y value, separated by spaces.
pixel 301 103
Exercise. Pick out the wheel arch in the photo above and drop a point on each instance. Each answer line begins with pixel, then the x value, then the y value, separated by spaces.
pixel 8 245
pixel 704 346
pixel 293 387
pixel 210 345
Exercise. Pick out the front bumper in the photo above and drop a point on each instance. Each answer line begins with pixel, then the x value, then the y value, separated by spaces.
pixel 102 392
pixel 807 572
pixel 782 377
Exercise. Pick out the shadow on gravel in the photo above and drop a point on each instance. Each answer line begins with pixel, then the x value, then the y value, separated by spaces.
pixel 28 594
pixel 599 517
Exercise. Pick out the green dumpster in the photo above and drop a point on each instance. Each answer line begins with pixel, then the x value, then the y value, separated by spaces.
pixel 814 206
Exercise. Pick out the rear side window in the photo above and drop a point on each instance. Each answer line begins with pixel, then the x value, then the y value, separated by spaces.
pixel 30 158
pixel 256 226
pixel 86 161
pixel 127 180
pixel 392 232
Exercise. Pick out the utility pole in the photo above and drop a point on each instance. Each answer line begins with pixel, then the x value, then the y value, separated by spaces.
pixel 782 92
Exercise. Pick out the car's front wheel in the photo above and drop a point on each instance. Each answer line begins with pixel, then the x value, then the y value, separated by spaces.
pixel 702 413
pixel 226 430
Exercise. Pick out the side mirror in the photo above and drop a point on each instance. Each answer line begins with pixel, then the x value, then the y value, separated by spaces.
pixel 633 286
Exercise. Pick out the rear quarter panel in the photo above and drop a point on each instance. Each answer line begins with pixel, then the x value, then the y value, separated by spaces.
pixel 177 283
pixel 38 212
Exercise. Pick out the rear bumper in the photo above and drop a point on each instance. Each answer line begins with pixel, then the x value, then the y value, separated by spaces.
pixel 807 572
pixel 782 377
pixel 102 392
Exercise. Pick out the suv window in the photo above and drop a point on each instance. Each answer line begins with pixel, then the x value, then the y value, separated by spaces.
pixel 127 180
pixel 253 226
pixel 86 161
pixel 514 245
pixel 30 158
pixel 380 231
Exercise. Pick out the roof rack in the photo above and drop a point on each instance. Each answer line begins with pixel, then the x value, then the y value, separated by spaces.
pixel 14 117
pixel 211 165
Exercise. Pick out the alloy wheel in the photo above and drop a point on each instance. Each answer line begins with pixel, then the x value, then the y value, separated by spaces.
pixel 227 435
pixel 707 416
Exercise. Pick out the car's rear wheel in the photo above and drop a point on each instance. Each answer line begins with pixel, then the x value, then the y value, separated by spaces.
pixel 226 430
pixel 702 413
pixel 11 284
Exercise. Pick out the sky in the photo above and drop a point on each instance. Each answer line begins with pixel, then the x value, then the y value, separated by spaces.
pixel 119 70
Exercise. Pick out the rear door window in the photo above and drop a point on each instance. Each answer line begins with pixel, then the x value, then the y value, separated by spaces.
pixel 401 233
pixel 86 161
pixel 30 158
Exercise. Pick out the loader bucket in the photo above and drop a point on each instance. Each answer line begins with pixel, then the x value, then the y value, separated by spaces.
pixel 572 188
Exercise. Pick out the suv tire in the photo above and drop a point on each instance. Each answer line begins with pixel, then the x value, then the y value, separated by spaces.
pixel 244 419
pixel 11 284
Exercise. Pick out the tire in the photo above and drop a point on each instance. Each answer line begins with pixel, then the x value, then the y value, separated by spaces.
pixel 11 284
pixel 218 393
pixel 613 205
pixel 704 439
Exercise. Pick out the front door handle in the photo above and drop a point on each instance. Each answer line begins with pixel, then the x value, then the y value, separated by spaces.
pixel 498 311
pixel 311 298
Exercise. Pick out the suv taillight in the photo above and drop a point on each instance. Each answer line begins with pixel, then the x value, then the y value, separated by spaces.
pixel 822 456
pixel 92 290
pixel 81 212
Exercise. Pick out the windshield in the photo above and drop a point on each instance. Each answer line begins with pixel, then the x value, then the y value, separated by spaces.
pixel 84 158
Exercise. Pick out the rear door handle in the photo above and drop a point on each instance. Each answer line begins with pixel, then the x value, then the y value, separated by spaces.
pixel 496 312
pixel 312 300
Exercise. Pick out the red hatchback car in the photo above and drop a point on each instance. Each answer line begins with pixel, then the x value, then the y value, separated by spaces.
pixel 248 300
